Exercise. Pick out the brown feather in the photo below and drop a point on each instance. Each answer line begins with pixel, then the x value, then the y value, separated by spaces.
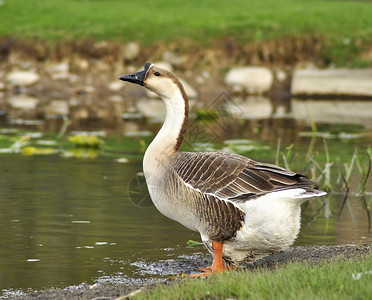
pixel 230 176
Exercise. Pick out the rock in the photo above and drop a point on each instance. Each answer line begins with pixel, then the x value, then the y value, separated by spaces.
pixel 74 102
pixel 151 108
pixel 164 65
pixel 57 107
pixel 190 91
pixel 2 86
pixel 332 82
pixel 102 66
pixel 116 86
pixel 254 80
pixel 23 102
pixel 73 78
pixel 58 71
pixel 131 51
pixel 79 113
pixel 173 58
pixel 82 64
pixel 132 69
pixel 23 78
pixel 116 99
pixel 201 79
pixel 89 89
pixel 280 75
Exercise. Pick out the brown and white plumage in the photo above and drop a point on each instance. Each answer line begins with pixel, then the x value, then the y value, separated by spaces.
pixel 243 208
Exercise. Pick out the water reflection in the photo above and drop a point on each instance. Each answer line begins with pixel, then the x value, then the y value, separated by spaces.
pixel 319 111
pixel 67 221
pixel 62 218
pixel 325 223
pixel 252 107
pixel 84 115
pixel 333 111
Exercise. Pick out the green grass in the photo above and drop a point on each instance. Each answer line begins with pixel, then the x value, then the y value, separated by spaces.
pixel 345 22
pixel 345 27
pixel 336 280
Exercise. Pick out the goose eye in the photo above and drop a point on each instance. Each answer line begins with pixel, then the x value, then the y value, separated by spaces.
pixel 157 74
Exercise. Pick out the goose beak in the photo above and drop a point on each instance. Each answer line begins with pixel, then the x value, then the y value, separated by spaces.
pixel 137 77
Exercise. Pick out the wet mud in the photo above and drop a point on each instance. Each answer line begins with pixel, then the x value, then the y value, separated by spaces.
pixel 164 272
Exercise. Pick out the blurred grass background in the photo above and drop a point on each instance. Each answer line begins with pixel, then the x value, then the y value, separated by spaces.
pixel 346 26
pixel 199 20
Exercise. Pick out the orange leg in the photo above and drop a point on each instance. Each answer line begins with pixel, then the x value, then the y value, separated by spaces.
pixel 226 267
pixel 217 264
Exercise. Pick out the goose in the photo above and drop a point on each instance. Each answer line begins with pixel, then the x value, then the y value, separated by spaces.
pixel 244 210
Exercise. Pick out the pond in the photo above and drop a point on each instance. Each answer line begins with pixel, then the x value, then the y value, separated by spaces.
pixel 70 215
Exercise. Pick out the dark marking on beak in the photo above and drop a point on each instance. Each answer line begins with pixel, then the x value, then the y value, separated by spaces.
pixel 138 77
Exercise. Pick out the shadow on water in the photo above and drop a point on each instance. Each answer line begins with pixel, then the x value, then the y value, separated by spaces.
pixel 66 220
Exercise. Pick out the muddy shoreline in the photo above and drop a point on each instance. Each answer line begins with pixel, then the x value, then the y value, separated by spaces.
pixel 114 287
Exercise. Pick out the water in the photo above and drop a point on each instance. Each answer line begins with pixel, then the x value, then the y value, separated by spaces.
pixel 66 220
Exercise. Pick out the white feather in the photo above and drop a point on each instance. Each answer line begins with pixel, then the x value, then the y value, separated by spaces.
pixel 272 223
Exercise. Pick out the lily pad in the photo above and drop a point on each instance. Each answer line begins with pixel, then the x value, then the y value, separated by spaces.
pixel 86 141
pixel 38 151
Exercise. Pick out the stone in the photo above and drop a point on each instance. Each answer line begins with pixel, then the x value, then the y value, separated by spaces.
pixel 201 79
pixel 173 58
pixel 73 78
pixel 280 75
pixel 151 108
pixel 132 69
pixel 82 64
pixel 164 65
pixel 73 102
pixel 131 51
pixel 23 78
pixel 116 99
pixel 332 82
pixel 23 102
pixel 79 113
pixel 116 86
pixel 58 71
pixel 89 89
pixel 101 66
pixel 254 80
pixel 57 107
pixel 189 89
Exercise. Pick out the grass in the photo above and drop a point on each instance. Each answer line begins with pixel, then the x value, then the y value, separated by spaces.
pixel 346 25
pixel 150 21
pixel 337 280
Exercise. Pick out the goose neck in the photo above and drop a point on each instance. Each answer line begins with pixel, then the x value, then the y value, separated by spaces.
pixel 170 137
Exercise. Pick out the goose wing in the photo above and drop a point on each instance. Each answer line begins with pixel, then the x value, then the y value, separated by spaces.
pixel 234 177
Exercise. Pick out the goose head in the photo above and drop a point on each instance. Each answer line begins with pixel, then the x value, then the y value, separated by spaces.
pixel 162 82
